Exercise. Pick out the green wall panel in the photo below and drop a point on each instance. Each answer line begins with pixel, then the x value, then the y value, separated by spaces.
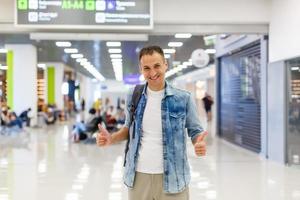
pixel 9 79
pixel 51 84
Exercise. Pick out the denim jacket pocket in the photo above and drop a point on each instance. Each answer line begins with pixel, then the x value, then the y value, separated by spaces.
pixel 177 115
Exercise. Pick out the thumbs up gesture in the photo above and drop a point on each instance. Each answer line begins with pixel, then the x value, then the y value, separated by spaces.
pixel 103 137
pixel 200 144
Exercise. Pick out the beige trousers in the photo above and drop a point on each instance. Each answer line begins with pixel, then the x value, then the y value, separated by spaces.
pixel 150 187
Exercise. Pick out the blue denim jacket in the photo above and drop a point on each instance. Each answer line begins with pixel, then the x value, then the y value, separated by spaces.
pixel 178 112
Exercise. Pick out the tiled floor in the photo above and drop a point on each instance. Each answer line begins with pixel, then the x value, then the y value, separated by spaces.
pixel 45 165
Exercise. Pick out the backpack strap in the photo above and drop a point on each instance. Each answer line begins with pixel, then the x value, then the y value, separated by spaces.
pixel 136 96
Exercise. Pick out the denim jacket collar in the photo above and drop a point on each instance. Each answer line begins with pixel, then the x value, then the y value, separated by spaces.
pixel 168 89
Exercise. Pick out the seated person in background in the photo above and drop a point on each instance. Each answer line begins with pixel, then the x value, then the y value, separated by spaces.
pixel 110 119
pixel 120 117
pixel 47 114
pixel 24 116
pixel 4 116
pixel 91 125
pixel 14 123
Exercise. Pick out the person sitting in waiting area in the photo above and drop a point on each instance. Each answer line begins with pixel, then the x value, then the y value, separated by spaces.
pixel 24 116
pixel 80 129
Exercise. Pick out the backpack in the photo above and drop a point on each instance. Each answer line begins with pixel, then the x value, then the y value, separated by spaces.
pixel 136 96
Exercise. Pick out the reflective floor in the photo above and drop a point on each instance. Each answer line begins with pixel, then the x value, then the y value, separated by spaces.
pixel 44 164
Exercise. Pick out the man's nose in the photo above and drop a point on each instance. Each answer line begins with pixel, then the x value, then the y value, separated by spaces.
pixel 152 72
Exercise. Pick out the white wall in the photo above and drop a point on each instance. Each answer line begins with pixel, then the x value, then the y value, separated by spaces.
pixel 277 111
pixel 24 78
pixel 7 11
pixel 212 11
pixel 115 90
pixel 284 30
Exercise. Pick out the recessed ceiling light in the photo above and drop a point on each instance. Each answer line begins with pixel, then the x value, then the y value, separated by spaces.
pixel 169 51
pixel 3 50
pixel 167 56
pixel 76 55
pixel 63 44
pixel 81 60
pixel 72 50
pixel 113 44
pixel 183 35
pixel 210 51
pixel 114 50
pixel 115 56
pixel 41 65
pixel 175 44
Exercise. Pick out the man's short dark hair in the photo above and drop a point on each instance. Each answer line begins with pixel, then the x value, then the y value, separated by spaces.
pixel 149 50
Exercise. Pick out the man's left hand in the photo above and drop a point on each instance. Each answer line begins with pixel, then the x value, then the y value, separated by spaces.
pixel 200 144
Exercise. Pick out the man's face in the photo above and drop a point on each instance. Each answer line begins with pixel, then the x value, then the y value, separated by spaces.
pixel 153 67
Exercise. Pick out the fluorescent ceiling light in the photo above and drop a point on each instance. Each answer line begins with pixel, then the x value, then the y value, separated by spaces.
pixel 210 51
pixel 169 51
pixel 188 63
pixel 81 60
pixel 41 65
pixel 183 35
pixel 3 50
pixel 115 56
pixel 113 44
pixel 85 63
pixel 3 67
pixel 63 44
pixel 117 65
pixel 76 55
pixel 116 60
pixel 175 44
pixel 114 50
pixel 294 68
pixel 210 37
pixel 167 56
pixel 71 50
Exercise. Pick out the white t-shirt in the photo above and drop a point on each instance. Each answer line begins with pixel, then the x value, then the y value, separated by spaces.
pixel 151 150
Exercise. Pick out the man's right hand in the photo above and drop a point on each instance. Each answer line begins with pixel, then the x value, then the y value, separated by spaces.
pixel 103 137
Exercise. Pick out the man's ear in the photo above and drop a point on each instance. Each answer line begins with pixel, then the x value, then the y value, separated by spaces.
pixel 166 63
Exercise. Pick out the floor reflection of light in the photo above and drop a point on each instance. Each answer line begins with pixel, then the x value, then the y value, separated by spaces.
pixel 116 175
pixel 3 163
pixel 82 178
pixel 296 194
pixel 115 196
pixel 116 178
pixel 42 167
pixel 65 137
pixel 115 186
pixel 271 182
pixel 4 197
pixel 211 194
pixel 203 185
pixel 195 174
pixel 77 187
pixel 72 196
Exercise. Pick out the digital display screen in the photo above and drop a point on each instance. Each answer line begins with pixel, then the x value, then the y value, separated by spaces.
pixel 84 14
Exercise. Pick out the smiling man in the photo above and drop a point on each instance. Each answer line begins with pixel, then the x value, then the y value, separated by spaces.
pixel 156 163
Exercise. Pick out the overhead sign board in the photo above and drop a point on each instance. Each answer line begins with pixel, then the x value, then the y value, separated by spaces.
pixel 84 14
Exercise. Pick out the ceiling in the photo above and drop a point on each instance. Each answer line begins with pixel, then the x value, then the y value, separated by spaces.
pixel 97 52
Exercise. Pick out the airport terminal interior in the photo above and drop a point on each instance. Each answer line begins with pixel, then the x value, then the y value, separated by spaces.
pixel 68 65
